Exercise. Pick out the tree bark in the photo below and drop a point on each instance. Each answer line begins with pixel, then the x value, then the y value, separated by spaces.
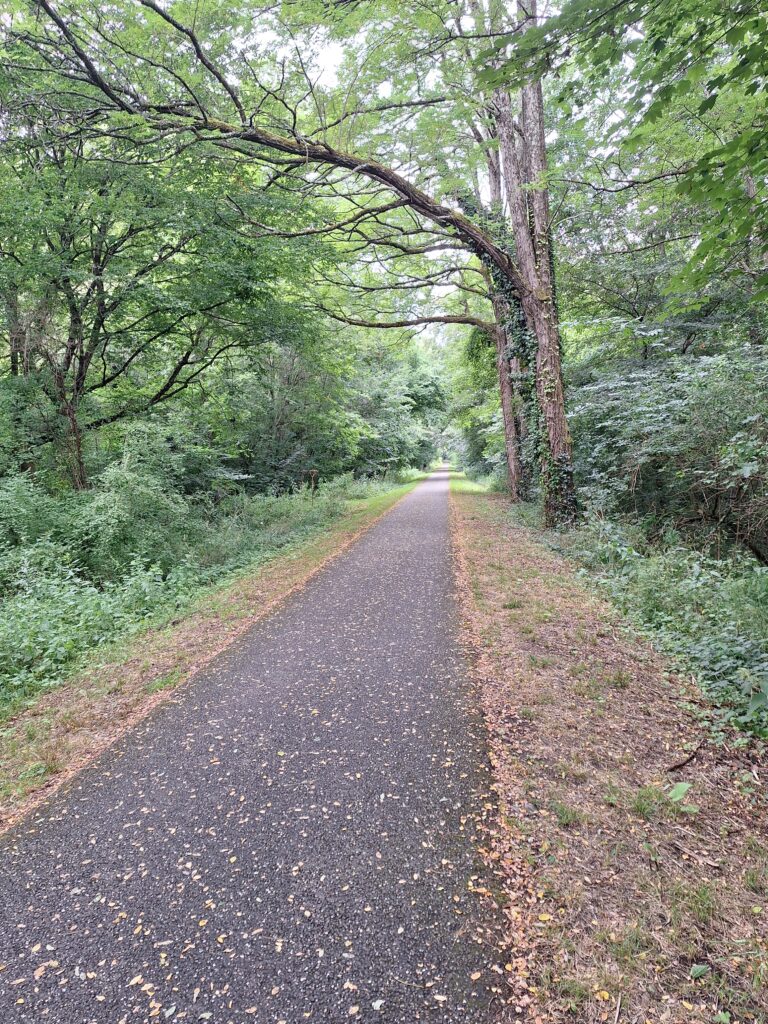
pixel 754 330
pixel 511 412
pixel 511 437
pixel 524 165
pixel 17 334
pixel 77 472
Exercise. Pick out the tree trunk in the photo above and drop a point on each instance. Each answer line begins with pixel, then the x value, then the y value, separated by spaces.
pixel 16 333
pixel 754 329
pixel 511 436
pixel 528 202
pixel 510 411
pixel 556 455
pixel 73 438
pixel 76 465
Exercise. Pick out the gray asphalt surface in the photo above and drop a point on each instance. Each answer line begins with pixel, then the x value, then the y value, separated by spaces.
pixel 291 838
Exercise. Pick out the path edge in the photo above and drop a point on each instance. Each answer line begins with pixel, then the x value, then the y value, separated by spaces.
pixel 36 798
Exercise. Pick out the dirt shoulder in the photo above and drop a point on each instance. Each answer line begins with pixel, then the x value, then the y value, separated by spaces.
pixel 46 744
pixel 636 854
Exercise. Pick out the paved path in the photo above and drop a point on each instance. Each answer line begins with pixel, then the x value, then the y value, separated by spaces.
pixel 287 840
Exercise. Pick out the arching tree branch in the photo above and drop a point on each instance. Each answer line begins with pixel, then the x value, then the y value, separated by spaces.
pixel 219 132
pixel 417 321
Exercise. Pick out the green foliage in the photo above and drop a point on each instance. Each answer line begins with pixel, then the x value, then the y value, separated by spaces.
pixel 709 613
pixel 168 388
pixel 702 58
pixel 682 443
pixel 478 446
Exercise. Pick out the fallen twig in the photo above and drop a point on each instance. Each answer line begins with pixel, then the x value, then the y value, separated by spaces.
pixel 686 760
pixel 695 856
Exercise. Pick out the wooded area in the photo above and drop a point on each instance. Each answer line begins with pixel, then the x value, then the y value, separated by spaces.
pixel 249 248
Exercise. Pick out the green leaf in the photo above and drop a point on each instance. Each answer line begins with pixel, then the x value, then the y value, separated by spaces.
pixel 678 791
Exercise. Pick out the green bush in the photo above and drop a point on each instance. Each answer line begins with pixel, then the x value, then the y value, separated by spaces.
pixel 55 615
pixel 134 516
pixel 682 444
pixel 27 512
pixel 711 614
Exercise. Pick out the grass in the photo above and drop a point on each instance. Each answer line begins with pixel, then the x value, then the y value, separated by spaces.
pixel 613 795
pixel 619 680
pixel 756 879
pixel 536 661
pixel 624 871
pixel 566 815
pixel 572 992
pixel 460 483
pixel 696 902
pixel 634 941
pixel 646 802
pixel 589 688
pixel 163 682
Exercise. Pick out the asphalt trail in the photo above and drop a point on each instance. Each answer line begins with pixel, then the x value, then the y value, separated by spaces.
pixel 290 838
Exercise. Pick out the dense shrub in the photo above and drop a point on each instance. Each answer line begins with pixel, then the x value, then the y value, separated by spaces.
pixel 711 614
pixel 683 443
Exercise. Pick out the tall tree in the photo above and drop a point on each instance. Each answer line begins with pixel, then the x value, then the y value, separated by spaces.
pixel 121 288
pixel 176 73
pixel 700 58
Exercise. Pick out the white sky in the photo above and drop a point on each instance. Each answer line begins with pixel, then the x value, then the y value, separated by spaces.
pixel 329 58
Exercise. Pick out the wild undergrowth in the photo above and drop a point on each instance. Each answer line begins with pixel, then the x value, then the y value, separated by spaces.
pixel 710 614
pixel 80 570
pixel 670 463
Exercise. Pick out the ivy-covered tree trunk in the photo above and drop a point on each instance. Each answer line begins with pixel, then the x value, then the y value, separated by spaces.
pixel 555 439
pixel 523 153
pixel 511 407
pixel 509 416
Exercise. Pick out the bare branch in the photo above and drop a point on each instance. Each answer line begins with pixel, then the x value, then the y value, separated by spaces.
pixel 416 321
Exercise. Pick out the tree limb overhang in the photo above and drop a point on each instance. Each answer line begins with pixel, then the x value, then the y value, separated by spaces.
pixel 480 243
pixel 416 321
pixel 304 149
